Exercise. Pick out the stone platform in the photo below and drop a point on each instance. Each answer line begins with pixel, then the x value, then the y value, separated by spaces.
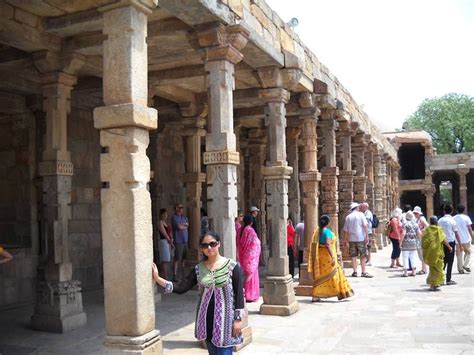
pixel 388 315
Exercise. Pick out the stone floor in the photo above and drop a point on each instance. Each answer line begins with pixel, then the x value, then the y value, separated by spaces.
pixel 388 315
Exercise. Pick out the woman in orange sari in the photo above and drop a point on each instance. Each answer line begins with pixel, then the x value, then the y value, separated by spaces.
pixel 329 278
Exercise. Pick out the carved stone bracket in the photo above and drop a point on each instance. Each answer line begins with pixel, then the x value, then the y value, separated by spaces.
pixel 65 168
pixel 310 176
pixel 221 157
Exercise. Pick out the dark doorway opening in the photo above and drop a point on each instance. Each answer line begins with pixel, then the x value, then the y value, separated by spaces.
pixel 412 161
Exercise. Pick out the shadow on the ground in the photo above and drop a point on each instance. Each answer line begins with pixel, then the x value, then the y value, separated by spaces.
pixel 425 289
pixel 182 344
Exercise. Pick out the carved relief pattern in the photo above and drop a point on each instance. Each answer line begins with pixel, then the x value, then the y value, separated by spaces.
pixel 56 168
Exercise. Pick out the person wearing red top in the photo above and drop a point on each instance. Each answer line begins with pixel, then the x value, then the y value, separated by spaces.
pixel 396 233
pixel 290 237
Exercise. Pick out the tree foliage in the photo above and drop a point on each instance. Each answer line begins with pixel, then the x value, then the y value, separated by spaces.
pixel 449 120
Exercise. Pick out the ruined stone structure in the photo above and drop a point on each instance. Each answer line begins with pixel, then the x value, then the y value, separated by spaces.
pixel 247 115
pixel 424 173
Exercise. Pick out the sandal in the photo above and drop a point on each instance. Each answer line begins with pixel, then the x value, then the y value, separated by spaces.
pixel 366 275
pixel 404 275
pixel 315 299
pixel 421 272
pixel 413 274
pixel 354 274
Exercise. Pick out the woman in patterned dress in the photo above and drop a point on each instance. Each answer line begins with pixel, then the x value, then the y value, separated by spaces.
pixel 221 297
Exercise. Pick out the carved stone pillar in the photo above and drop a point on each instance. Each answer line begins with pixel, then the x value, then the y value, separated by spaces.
pixel 330 172
pixel 378 199
pixel 124 123
pixel 293 134
pixel 222 45
pixel 257 147
pixel 309 178
pixel 369 172
pixel 385 213
pixel 359 147
pixel 59 301
pixel 462 171
pixel 346 176
pixel 193 180
pixel 278 295
pixel 429 193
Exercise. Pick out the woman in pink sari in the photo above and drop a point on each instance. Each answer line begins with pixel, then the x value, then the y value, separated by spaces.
pixel 248 250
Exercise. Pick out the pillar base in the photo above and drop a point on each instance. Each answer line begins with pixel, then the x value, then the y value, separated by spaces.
pixel 58 307
pixel 379 241
pixel 279 310
pixel 305 286
pixel 279 296
pixel 149 343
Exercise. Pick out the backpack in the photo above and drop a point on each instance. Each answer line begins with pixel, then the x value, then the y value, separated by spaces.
pixel 375 221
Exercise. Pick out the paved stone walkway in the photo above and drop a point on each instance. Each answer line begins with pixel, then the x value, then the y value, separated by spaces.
pixel 388 315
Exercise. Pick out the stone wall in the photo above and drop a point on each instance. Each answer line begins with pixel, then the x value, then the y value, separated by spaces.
pixel 169 168
pixel 85 241
pixel 17 152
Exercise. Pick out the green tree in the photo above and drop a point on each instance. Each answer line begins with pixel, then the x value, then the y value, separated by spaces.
pixel 449 120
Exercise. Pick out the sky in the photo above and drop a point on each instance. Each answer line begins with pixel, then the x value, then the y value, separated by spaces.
pixel 389 54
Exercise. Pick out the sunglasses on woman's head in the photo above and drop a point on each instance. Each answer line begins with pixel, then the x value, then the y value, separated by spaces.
pixel 207 245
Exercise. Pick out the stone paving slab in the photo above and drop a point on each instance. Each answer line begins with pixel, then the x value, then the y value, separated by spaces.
pixel 389 315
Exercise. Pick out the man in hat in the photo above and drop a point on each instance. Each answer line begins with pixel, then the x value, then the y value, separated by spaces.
pixel 356 235
pixel 254 213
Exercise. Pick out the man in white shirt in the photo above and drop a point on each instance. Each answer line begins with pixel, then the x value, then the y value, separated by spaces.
pixel 356 236
pixel 451 231
pixel 463 223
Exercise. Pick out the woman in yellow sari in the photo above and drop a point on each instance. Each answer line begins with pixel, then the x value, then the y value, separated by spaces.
pixel 433 253
pixel 329 278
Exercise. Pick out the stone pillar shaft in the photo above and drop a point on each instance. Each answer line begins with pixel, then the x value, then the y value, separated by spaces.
pixel 193 180
pixel 462 172
pixel 358 153
pixel 125 172
pixel 309 178
pixel 278 295
pixel 330 172
pixel 221 156
pixel 59 302
pixel 294 183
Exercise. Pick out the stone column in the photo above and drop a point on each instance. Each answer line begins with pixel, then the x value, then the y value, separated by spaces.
pixel 222 45
pixel 429 201
pixel 193 180
pixel 278 295
pixel 59 301
pixel 124 123
pixel 257 147
pixel 293 134
pixel 378 199
pixel 310 178
pixel 330 172
pixel 385 213
pixel 346 176
pixel 359 147
pixel 462 171
pixel 369 172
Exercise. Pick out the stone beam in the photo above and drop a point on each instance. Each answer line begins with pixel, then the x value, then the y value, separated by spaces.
pixel 174 93
pixel 72 24
pixel 21 36
pixel 24 82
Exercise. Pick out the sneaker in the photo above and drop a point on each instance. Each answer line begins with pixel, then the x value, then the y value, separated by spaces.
pixel 366 275
pixel 451 282
pixel 467 269
pixel 354 274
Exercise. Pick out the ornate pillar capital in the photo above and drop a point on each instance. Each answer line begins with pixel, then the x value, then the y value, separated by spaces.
pixel 222 42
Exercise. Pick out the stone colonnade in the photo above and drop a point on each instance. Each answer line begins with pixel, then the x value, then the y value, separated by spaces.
pixel 350 170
